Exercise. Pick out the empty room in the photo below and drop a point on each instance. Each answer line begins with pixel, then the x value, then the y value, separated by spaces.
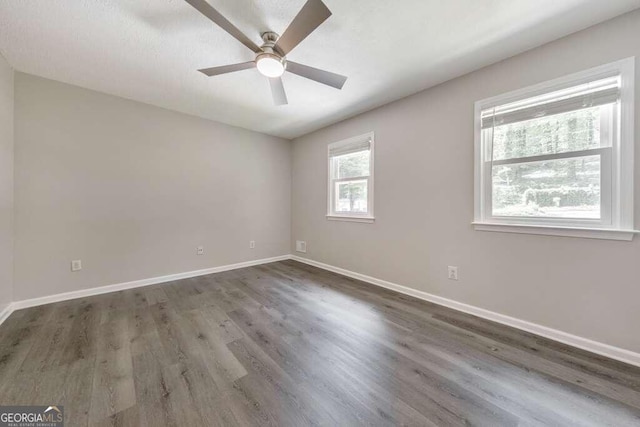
pixel 319 212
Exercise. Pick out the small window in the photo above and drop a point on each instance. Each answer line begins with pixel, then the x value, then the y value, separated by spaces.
pixel 559 156
pixel 351 179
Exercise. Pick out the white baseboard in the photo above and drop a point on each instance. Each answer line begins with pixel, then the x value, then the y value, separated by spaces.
pixel 6 312
pixel 602 349
pixel 17 305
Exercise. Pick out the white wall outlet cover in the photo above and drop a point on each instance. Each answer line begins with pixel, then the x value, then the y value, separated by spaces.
pixel 200 250
pixel 301 246
pixel 252 244
pixel 76 265
pixel 452 272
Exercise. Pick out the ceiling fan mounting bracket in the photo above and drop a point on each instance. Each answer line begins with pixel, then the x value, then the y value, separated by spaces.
pixel 269 46
pixel 269 37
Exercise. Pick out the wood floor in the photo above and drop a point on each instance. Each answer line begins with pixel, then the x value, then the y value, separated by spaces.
pixel 287 344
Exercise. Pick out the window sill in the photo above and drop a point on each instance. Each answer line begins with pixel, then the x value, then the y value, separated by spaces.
pixel 586 233
pixel 366 219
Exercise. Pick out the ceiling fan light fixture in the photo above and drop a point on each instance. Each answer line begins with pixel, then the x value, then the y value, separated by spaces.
pixel 270 65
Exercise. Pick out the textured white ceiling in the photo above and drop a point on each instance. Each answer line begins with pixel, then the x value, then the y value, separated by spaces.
pixel 149 50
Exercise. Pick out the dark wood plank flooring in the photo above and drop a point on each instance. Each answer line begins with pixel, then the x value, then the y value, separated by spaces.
pixel 287 344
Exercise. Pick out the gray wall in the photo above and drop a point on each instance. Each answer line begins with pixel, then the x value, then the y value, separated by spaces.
pixel 424 204
pixel 132 190
pixel 6 183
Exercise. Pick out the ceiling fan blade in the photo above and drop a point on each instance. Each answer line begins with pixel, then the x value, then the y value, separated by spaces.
pixel 312 14
pixel 215 71
pixel 277 90
pixel 207 10
pixel 316 74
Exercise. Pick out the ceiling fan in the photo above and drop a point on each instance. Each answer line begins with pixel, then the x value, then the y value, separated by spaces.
pixel 271 58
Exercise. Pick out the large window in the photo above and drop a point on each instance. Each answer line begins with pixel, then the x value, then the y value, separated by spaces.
pixel 558 158
pixel 350 195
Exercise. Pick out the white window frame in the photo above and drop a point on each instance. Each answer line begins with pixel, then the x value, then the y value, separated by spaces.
pixel 616 221
pixel 357 216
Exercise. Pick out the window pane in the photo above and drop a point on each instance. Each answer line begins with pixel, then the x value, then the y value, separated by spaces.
pixel 351 165
pixel 351 196
pixel 566 188
pixel 560 133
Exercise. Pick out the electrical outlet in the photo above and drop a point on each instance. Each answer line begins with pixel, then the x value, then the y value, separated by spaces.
pixel 76 265
pixel 453 273
pixel 301 246
pixel 252 244
pixel 200 250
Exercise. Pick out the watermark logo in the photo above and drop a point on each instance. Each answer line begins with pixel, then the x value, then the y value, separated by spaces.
pixel 31 416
